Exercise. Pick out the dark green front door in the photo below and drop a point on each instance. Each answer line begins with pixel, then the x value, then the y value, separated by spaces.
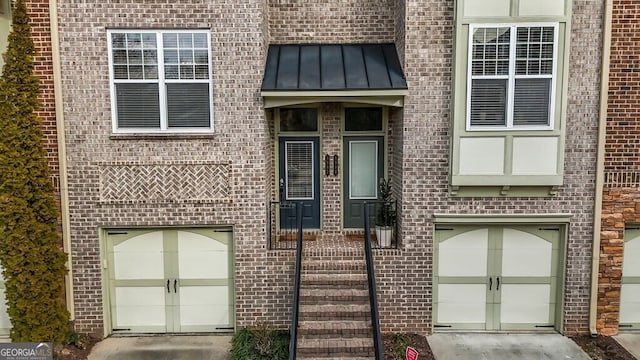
pixel 363 168
pixel 299 181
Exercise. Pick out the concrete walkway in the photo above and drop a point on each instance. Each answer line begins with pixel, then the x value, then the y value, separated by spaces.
pixel 163 348
pixel 471 346
pixel 631 342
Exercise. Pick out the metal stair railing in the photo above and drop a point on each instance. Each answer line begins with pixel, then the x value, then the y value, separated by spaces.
pixel 373 295
pixel 293 341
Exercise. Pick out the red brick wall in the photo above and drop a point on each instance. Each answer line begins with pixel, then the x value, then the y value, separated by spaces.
pixel 43 69
pixel 621 201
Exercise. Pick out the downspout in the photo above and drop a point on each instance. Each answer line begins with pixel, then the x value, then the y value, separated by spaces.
pixel 62 153
pixel 602 132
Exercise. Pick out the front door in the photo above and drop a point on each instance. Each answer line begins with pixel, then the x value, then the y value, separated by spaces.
pixel 299 181
pixel 496 278
pixel 363 168
pixel 630 292
pixel 170 281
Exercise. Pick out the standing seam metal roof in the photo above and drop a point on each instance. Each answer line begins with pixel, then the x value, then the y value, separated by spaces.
pixel 318 67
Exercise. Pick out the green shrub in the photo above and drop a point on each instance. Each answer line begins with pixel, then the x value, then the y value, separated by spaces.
pixel 400 343
pixel 34 264
pixel 260 343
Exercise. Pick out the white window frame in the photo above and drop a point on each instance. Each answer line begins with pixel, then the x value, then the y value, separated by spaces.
pixel 161 81
pixel 511 77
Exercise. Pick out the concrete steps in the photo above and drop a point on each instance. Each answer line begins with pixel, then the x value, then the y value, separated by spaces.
pixel 335 316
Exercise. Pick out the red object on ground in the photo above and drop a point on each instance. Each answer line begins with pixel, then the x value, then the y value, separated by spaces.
pixel 412 354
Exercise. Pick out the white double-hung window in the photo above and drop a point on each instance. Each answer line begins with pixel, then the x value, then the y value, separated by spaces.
pixel 511 76
pixel 161 80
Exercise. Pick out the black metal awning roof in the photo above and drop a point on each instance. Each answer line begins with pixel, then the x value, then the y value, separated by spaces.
pixel 335 67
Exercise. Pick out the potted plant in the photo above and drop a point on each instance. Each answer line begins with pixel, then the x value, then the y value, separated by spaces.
pixel 386 215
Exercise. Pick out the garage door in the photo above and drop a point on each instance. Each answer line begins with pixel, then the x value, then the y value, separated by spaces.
pixel 5 323
pixel 630 292
pixel 496 278
pixel 170 281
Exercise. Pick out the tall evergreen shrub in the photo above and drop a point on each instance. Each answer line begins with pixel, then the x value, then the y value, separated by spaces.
pixel 34 264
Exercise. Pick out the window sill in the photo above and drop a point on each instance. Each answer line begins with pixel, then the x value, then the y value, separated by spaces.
pixel 158 136
pixel 480 191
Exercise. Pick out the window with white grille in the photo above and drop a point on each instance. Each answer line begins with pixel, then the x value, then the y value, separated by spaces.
pixel 160 80
pixel 511 76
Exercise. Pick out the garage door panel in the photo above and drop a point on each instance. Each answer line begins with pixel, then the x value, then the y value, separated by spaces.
pixel 140 307
pixel 631 265
pixel 202 257
pixel 204 265
pixel 5 322
pixel 525 254
pixel 630 291
pixel 525 304
pixel 462 303
pixel 208 306
pixel 464 254
pixel 141 257
pixel 630 303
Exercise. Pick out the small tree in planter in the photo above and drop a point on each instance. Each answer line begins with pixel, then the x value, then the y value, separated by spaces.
pixel 386 215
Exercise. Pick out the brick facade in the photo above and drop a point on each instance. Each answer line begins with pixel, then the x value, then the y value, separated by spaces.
pixel 244 142
pixel 43 69
pixel 241 142
pixel 331 21
pixel 621 195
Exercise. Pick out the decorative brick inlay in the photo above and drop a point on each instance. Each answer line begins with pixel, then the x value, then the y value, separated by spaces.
pixel 622 179
pixel 159 183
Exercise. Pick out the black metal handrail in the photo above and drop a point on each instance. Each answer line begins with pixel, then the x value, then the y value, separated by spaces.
pixel 293 341
pixel 281 222
pixel 373 295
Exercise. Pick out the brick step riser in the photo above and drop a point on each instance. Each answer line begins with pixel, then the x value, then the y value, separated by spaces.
pixel 329 265
pixel 336 352
pixel 332 333
pixel 328 284
pixel 335 276
pixel 333 272
pixel 350 357
pixel 334 254
pixel 331 300
pixel 335 287
pixel 353 316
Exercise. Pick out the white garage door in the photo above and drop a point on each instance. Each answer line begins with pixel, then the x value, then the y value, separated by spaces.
pixel 496 278
pixel 5 323
pixel 630 293
pixel 165 281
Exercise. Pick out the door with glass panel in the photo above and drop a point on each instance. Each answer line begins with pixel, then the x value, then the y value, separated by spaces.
pixel 630 292
pixel 363 169
pixel 299 181
pixel 496 278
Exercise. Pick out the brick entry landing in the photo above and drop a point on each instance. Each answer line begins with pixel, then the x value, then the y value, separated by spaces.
pixel 337 241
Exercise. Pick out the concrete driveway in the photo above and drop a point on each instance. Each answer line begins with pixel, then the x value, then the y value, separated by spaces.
pixel 631 342
pixel 471 346
pixel 162 348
